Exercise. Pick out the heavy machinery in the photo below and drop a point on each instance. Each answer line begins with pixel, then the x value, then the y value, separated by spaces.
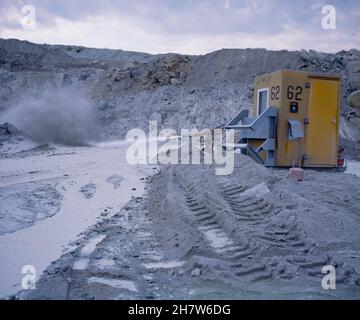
pixel 295 120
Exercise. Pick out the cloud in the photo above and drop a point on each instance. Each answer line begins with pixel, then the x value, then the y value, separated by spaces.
pixel 194 27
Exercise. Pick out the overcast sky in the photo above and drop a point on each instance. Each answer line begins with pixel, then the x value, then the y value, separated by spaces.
pixel 184 26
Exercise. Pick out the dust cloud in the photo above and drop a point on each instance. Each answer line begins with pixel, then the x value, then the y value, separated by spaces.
pixel 62 116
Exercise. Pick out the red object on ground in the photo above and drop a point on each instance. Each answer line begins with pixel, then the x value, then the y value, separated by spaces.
pixel 297 173
pixel 341 163
pixel 341 160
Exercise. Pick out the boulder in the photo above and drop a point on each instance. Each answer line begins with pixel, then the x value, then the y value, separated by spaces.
pixel 175 82
pixel 9 129
pixel 354 52
pixel 355 81
pixel 9 133
pixel 354 99
pixel 66 81
pixel 195 272
pixel 354 66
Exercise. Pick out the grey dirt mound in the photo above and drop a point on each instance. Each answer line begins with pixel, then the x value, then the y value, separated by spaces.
pixel 127 89
pixel 9 132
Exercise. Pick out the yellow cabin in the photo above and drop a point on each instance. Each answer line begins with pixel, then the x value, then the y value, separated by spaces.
pixel 295 120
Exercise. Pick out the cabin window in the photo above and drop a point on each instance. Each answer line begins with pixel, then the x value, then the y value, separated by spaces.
pixel 262 101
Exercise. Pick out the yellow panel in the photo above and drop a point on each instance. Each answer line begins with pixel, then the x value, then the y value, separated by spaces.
pixel 323 128
pixel 293 89
pixel 320 142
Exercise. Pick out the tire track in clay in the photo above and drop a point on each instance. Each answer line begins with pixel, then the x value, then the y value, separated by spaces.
pixel 238 255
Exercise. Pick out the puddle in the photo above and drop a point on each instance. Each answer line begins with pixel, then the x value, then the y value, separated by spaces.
pixel 257 191
pixel 87 250
pixel 353 167
pixel 90 245
pixel 105 263
pixel 115 283
pixel 81 264
pixel 217 238
pixel 163 265
pixel 44 241
pixel 148 277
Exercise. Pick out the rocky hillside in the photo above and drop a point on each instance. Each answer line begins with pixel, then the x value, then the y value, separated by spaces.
pixel 128 89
